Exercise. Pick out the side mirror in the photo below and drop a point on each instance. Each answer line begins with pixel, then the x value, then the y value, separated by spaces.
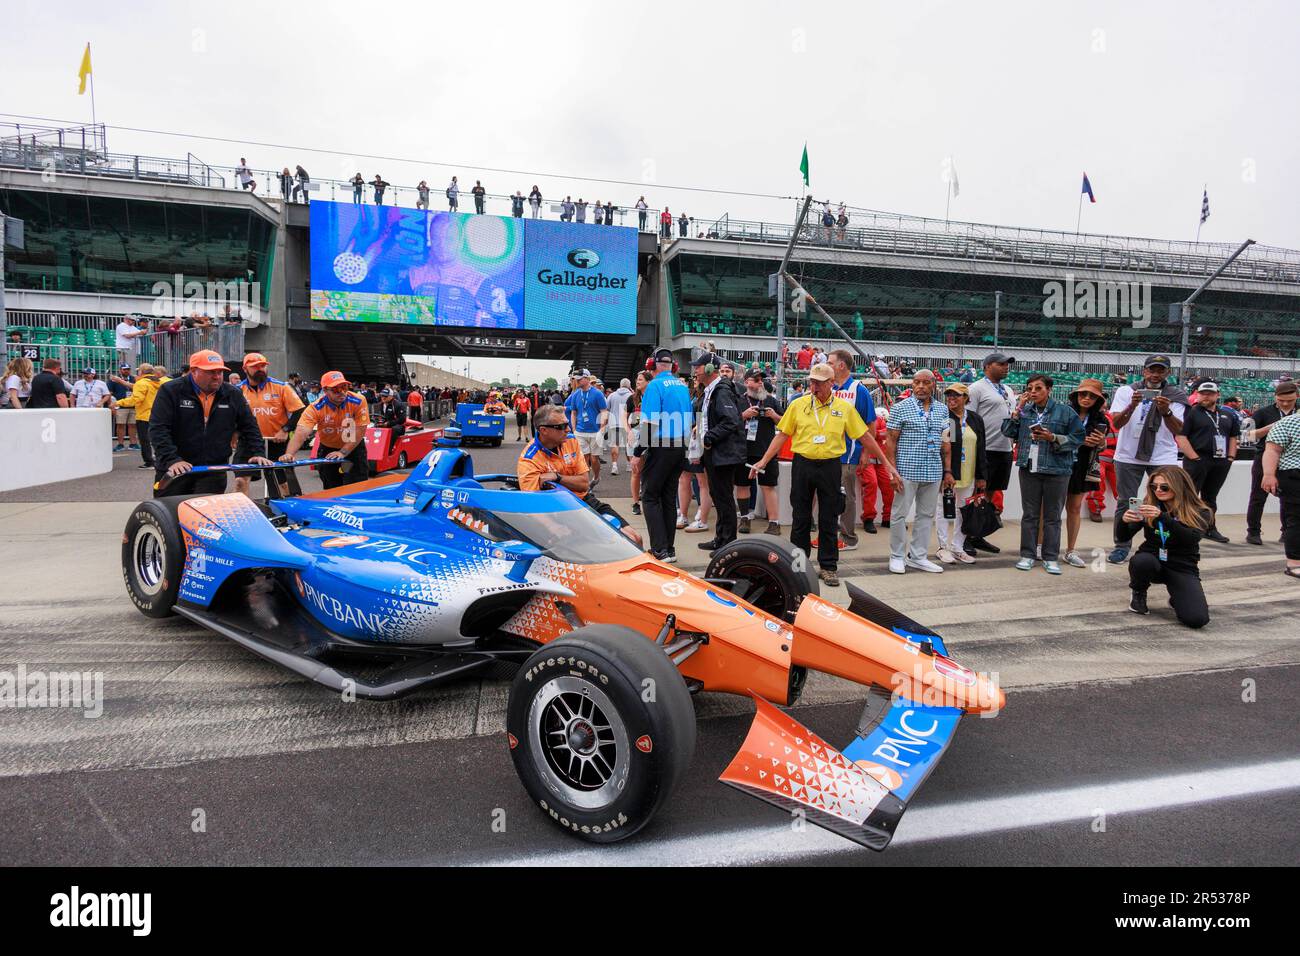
pixel 522 554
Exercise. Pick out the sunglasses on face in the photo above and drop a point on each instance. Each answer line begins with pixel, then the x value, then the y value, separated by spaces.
pixel 553 426
pixel 1162 487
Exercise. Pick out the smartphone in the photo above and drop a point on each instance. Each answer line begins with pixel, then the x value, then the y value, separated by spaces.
pixel 1148 393
pixel 1135 504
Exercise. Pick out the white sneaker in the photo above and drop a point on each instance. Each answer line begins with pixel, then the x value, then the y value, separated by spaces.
pixel 897 566
pixel 613 470
pixel 681 521
pixel 1075 560
pixel 946 556
pixel 696 526
pixel 1025 564
pixel 963 557
pixel 925 564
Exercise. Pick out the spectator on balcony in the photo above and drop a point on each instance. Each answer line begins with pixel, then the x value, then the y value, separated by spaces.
pixel 567 209
pixel 480 196
pixel 17 383
pixel 286 183
pixel 666 224
pixel 610 209
pixel 842 220
pixel 358 184
pixel 535 201
pixel 422 195
pixel 453 195
pixel 301 188
pixel 828 221
pixel 682 225
pixel 245 176
pixel 581 207
pixel 641 210
pixel 517 205
pixel 380 185
pixel 598 214
pixel 127 336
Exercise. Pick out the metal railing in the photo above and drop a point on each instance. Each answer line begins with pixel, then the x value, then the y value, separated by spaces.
pixel 81 151
pixel 171 349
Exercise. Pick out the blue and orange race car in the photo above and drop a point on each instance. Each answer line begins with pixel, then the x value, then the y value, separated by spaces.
pixel 380 588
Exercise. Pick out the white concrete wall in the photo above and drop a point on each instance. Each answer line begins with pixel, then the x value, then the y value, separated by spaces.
pixel 39 446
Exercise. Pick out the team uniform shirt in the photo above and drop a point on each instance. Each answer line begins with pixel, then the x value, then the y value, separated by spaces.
pixel 89 394
pixel 522 404
pixel 1286 435
pixel 666 411
pixel 994 402
pixel 273 404
pixel 586 405
pixel 1165 451
pixel 859 396
pixel 332 421
pixel 920 434
pixel 536 460
pixel 821 431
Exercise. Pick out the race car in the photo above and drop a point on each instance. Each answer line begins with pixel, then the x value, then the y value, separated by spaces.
pixel 385 454
pixel 383 587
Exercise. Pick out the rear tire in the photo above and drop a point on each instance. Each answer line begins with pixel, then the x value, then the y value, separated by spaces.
pixel 764 569
pixel 401 459
pixel 496 443
pixel 153 555
pixel 590 749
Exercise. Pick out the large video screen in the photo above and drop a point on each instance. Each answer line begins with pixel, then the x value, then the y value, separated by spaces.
pixel 409 266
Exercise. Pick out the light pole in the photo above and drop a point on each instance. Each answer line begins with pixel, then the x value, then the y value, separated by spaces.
pixel 1187 308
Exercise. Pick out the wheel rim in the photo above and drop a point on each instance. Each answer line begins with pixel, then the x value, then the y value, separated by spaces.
pixel 401 460
pixel 148 553
pixel 580 744
pixel 761 587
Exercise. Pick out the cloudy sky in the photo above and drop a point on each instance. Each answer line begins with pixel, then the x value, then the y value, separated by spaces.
pixel 1154 100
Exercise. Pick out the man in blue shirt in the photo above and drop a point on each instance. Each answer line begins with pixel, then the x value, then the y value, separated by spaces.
pixel 588 411
pixel 666 419
pixel 857 395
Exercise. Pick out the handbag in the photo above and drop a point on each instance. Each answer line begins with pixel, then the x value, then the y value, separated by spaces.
pixel 979 518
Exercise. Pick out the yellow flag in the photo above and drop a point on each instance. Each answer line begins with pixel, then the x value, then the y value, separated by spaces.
pixel 84 71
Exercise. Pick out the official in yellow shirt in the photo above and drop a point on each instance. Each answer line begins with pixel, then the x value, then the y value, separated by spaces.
pixel 817 425
pixel 148 379
pixel 340 418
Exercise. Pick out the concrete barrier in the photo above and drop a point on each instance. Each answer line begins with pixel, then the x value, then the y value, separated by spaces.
pixel 45 445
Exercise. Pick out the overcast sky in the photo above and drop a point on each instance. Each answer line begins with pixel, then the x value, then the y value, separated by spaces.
pixel 1152 99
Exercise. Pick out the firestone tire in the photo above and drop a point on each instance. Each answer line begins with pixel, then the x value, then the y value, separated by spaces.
pixel 601 727
pixel 767 573
pixel 153 556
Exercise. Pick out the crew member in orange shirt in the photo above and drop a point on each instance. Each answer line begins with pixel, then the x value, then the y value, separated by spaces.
pixel 339 417
pixel 555 456
pixel 523 405
pixel 277 408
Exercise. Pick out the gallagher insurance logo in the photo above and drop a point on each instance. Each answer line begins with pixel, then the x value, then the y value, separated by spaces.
pixel 581 259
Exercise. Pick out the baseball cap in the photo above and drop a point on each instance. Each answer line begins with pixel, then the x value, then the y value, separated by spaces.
pixel 582 373
pixel 821 372
pixel 254 359
pixel 1285 388
pixel 88 371
pixel 124 366
pixel 956 388
pixel 386 393
pixel 207 361
pixel 663 355
pixel 707 358
pixel 1157 360
pixel 1207 387
pixel 997 358
pixel 333 380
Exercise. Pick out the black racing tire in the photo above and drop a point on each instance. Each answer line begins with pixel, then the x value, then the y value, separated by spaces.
pixel 765 569
pixel 496 443
pixel 590 750
pixel 153 555
pixel 401 459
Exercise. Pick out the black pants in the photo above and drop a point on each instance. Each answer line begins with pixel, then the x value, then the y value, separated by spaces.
pixel 146 450
pixel 289 476
pixel 1288 485
pixel 1258 496
pixel 660 470
pixel 203 483
pixel 331 476
pixel 1185 591
pixel 811 477
pixel 722 488
pixel 999 476
pixel 1208 474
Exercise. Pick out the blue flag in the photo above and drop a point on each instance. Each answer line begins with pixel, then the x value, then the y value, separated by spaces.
pixel 1087 188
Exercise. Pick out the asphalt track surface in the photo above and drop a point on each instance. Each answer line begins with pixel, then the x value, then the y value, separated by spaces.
pixel 1126 741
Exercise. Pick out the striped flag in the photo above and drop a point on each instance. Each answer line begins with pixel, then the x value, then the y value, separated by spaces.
pixel 1205 206
pixel 1087 188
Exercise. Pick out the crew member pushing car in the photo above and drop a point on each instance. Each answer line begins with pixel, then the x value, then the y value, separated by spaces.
pixel 277 408
pixel 340 417
pixel 194 421
pixel 555 456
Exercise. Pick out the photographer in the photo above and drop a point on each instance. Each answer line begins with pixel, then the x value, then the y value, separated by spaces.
pixel 1174 519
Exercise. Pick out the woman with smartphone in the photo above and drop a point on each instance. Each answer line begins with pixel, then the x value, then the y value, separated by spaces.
pixel 1089 402
pixel 1174 519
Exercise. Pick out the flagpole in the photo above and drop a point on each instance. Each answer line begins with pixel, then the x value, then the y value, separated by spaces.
pixel 1079 221
pixel 1200 220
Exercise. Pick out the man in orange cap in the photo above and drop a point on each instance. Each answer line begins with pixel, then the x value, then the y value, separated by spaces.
pixel 277 408
pixel 340 417
pixel 194 420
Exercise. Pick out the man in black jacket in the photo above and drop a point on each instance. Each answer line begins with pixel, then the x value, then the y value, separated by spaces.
pixel 194 421
pixel 723 440
pixel 389 413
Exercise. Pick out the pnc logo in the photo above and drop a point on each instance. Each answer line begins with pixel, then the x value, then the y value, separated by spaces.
pixel 583 259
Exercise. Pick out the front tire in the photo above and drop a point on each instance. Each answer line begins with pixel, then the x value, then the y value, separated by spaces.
pixel 153 556
pixel 770 573
pixel 601 727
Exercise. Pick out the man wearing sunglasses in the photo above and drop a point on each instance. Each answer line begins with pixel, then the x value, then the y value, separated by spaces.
pixel 555 457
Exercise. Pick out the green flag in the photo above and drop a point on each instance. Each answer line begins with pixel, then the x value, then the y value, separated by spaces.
pixel 803 164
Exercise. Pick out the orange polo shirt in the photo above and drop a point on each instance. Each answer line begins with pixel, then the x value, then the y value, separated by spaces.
pixel 537 460
pixel 272 404
pixel 331 421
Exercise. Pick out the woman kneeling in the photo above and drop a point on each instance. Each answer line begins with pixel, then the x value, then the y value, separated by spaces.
pixel 1174 519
